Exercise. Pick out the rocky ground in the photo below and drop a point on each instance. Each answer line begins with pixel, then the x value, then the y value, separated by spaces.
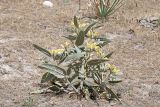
pixel 136 46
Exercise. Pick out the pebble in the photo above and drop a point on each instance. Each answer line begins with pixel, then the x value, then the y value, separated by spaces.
pixel 47 4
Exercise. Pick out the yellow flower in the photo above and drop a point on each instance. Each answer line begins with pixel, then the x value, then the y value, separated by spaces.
pixel 81 24
pixel 95 33
pixel 100 53
pixel 89 34
pixel 92 34
pixel 72 24
pixel 92 46
pixel 56 52
pixel 65 45
pixel 97 49
pixel 113 68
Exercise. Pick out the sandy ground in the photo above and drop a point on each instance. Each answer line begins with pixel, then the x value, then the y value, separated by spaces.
pixel 24 22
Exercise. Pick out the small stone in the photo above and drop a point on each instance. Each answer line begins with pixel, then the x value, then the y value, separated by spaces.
pixel 47 4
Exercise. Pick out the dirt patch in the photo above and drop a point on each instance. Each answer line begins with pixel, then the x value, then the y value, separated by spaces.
pixel 23 23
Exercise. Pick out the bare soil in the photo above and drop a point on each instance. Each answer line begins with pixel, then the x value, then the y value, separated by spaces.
pixel 24 22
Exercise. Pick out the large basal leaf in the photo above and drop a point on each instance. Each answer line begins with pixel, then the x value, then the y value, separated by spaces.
pixel 42 50
pixel 89 28
pixel 96 61
pixel 47 77
pixel 80 38
pixel 76 22
pixel 53 69
pixel 90 82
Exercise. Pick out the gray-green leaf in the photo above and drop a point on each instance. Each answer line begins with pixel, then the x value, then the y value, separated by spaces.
pixel 113 94
pixel 47 77
pixel 90 82
pixel 55 88
pixel 42 50
pixel 75 81
pixel 70 37
pixel 74 56
pixel 89 27
pixel 96 61
pixel 53 69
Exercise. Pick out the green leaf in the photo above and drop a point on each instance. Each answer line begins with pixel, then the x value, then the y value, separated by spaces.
pixel 90 82
pixel 58 83
pixel 82 72
pixel 89 28
pixel 70 37
pixel 76 22
pixel 104 10
pixel 47 77
pixel 78 50
pixel 115 81
pixel 75 81
pixel 95 92
pixel 114 78
pixel 62 59
pixel 113 95
pixel 96 27
pixel 97 78
pixel 80 38
pixel 115 5
pixel 53 69
pixel 96 61
pixel 74 56
pixel 109 55
pixel 42 50
pixel 76 64
pixel 55 88
pixel 101 41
